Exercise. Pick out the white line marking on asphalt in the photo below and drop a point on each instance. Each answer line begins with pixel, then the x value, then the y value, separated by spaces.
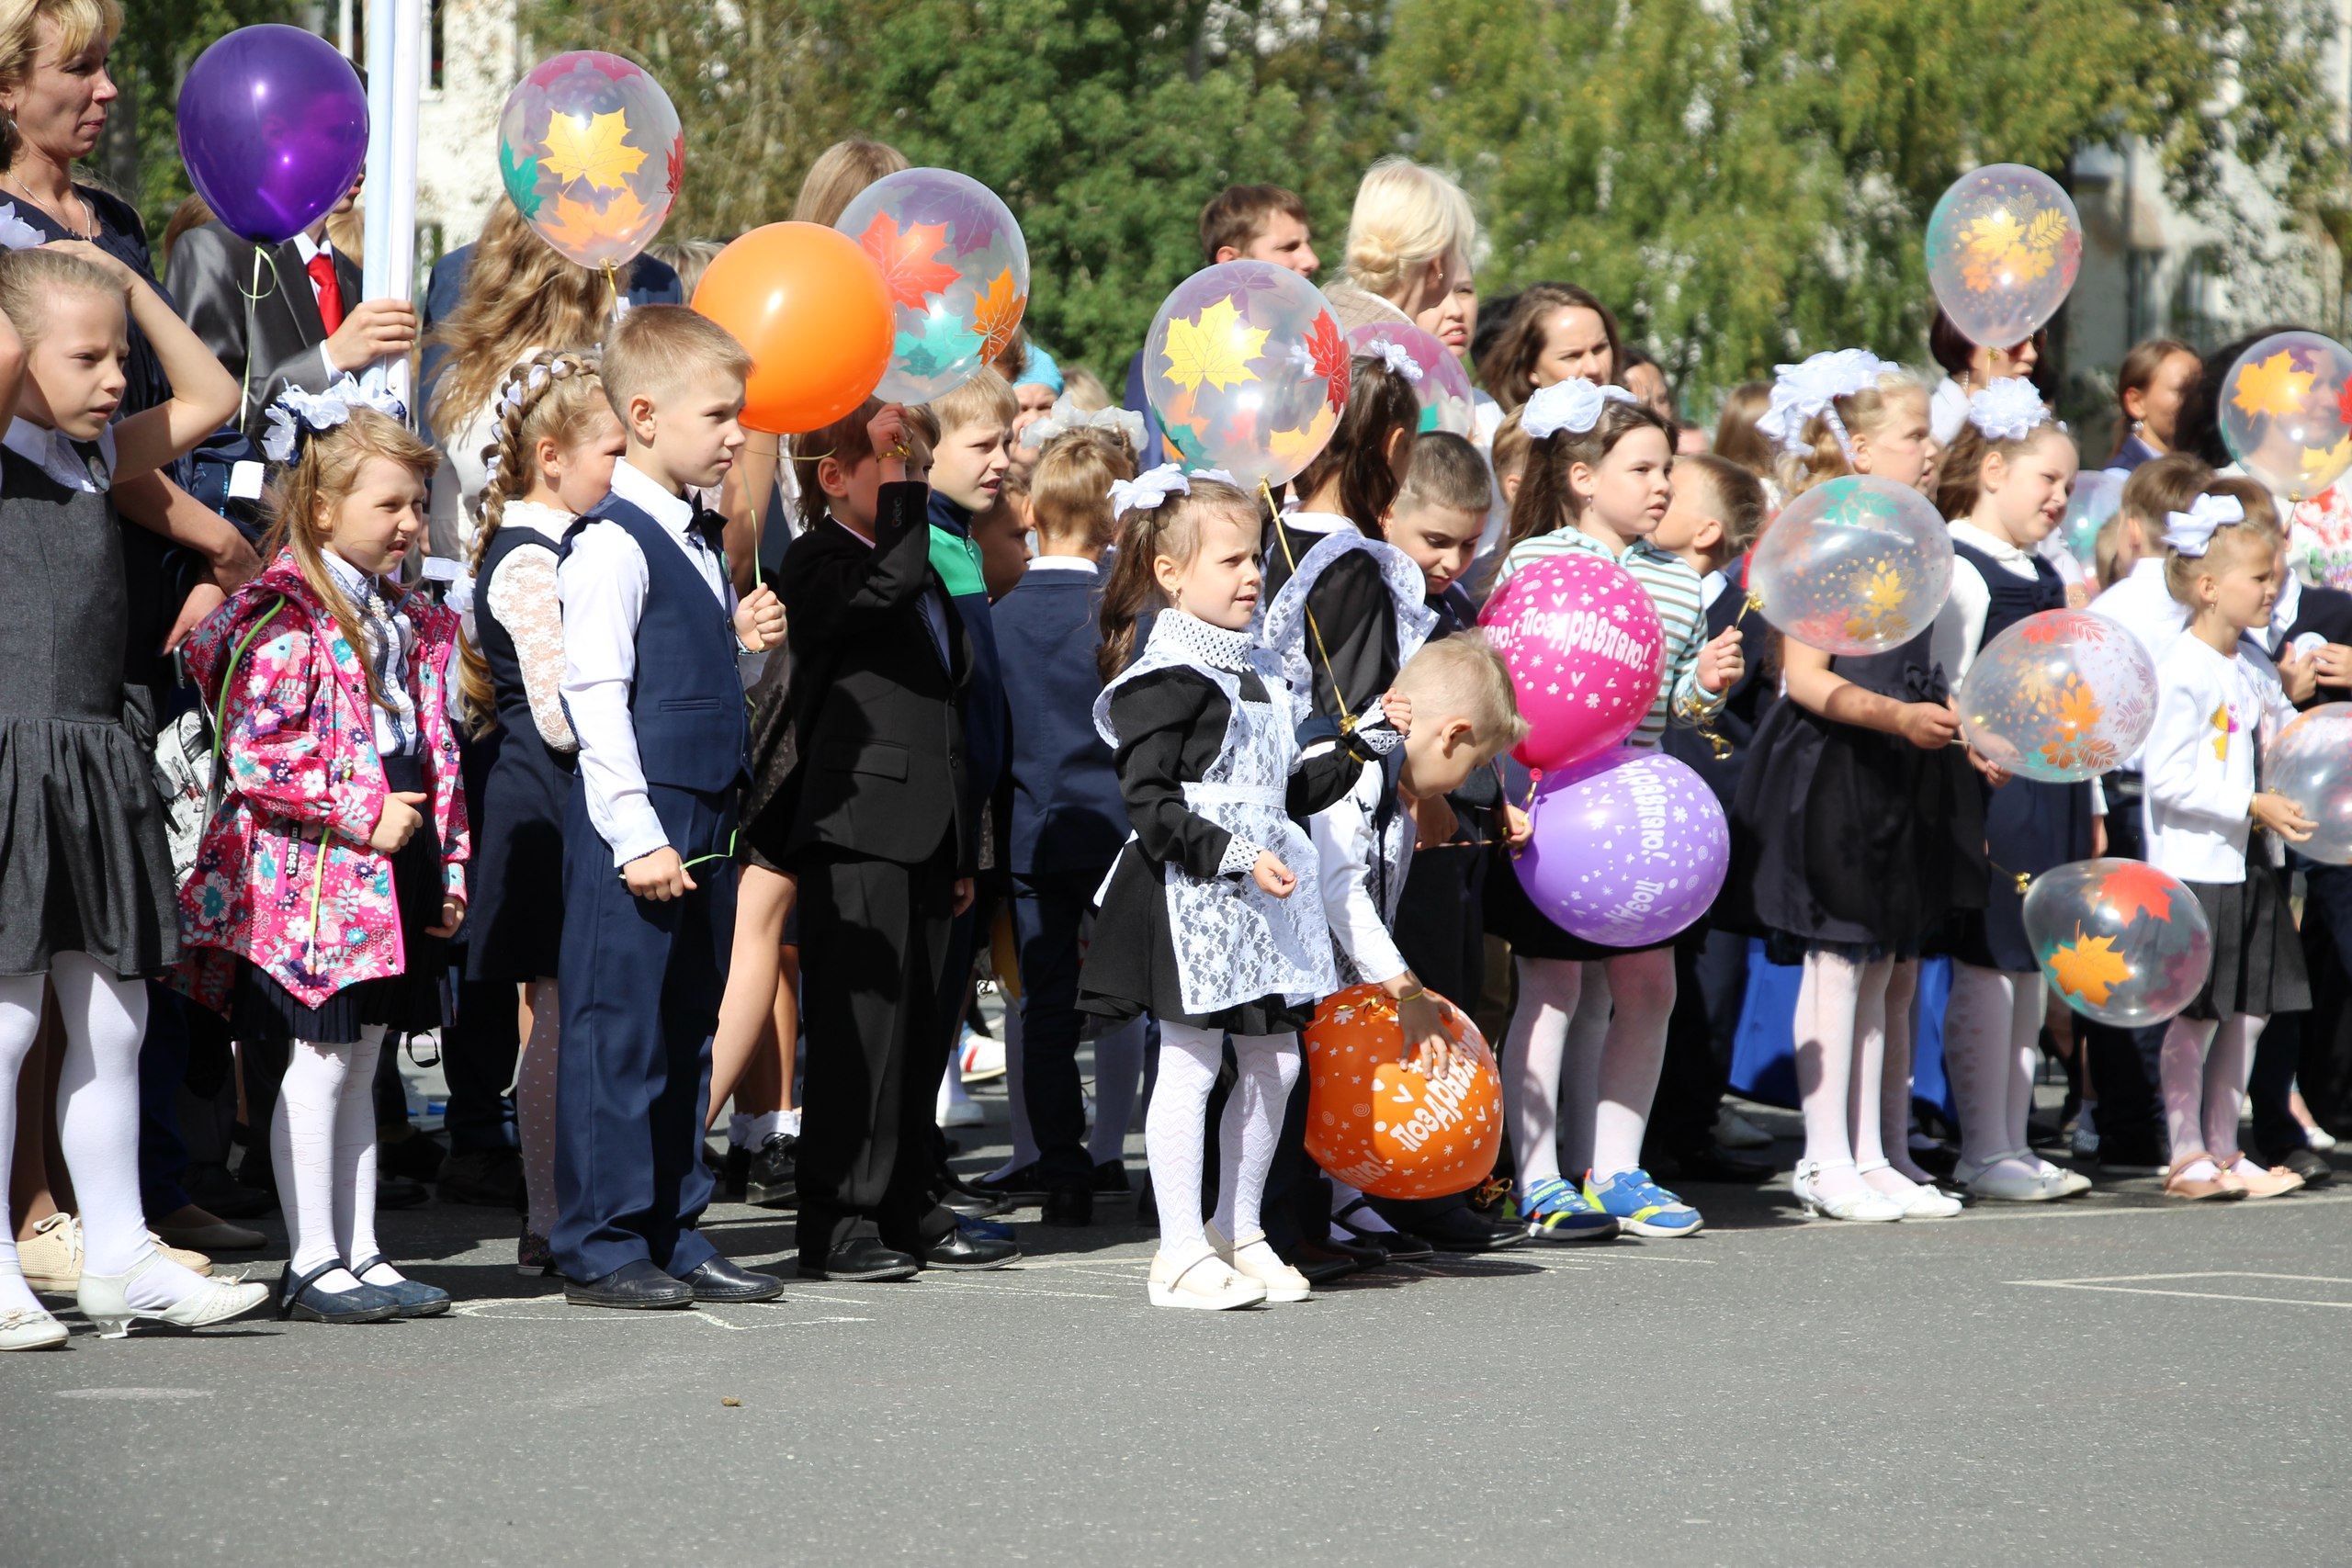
pixel 2077 1209
pixel 2138 1285
pixel 134 1394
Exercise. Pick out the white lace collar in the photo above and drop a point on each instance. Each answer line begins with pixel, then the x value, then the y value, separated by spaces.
pixel 1195 639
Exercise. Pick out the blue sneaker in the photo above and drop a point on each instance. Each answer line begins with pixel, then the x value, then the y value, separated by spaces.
pixel 1640 1205
pixel 1555 1210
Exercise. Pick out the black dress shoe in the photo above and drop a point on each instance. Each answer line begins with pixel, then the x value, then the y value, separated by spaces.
pixel 860 1258
pixel 774 1180
pixel 1713 1162
pixel 961 1252
pixel 399 1192
pixel 418 1156
pixel 1320 1263
pixel 1022 1185
pixel 1111 1175
pixel 488 1179
pixel 968 1204
pixel 636 1285
pixel 1400 1245
pixel 1070 1206
pixel 1365 1254
pixel 2308 1165
pixel 721 1280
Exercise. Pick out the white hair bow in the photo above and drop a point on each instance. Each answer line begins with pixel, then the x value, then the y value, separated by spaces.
pixel 1399 359
pixel 1066 416
pixel 16 234
pixel 2190 533
pixel 1148 489
pixel 297 413
pixel 2006 409
pixel 1572 405
pixel 1801 391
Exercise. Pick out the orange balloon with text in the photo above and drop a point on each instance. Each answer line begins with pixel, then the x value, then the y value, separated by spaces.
pixel 1379 1124
pixel 815 313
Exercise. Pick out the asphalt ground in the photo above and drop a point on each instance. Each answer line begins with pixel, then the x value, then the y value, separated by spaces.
pixel 2122 1379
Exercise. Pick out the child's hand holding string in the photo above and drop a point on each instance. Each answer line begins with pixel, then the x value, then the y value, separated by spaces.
pixel 1721 662
pixel 1429 1049
pixel 659 876
pixel 2282 816
pixel 885 437
pixel 1518 825
pixel 759 620
pixel 1272 874
pixel 1930 727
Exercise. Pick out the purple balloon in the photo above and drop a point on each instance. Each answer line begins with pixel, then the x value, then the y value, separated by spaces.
pixel 1629 849
pixel 274 129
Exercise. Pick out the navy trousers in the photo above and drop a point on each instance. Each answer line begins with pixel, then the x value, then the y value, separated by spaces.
pixel 641 983
pixel 1048 913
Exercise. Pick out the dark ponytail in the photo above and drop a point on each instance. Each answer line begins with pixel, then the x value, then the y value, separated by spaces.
pixel 1545 500
pixel 1380 402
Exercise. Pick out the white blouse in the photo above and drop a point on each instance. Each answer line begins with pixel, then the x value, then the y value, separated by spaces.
pixel 1958 631
pixel 2198 762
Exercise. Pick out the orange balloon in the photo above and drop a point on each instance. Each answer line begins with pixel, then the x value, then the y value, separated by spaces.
pixel 815 313
pixel 1381 1126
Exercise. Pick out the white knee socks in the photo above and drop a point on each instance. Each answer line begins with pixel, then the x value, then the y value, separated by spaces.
pixel 1118 1076
pixel 1636 999
pixel 20 999
pixel 1173 1133
pixel 1252 1125
pixel 1537 1048
pixel 535 1092
pixel 323 1141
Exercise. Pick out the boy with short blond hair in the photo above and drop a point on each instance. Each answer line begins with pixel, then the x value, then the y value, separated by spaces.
pixel 651 629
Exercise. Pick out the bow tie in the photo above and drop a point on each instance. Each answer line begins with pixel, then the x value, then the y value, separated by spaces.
pixel 708 528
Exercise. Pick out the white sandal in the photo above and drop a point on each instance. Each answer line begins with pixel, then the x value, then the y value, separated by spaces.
pixel 22 1330
pixel 1870 1206
pixel 1282 1283
pixel 1207 1283
pixel 1922 1203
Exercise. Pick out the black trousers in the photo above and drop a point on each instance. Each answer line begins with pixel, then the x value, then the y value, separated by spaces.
pixel 1048 915
pixel 2131 1117
pixel 1710 979
pixel 2303 1045
pixel 875 939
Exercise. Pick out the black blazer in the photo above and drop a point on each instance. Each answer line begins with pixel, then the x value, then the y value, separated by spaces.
pixel 2328 612
pixel 208 271
pixel 1743 709
pixel 878 717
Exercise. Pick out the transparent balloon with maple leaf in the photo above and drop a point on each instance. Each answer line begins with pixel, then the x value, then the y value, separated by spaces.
pixel 1855 564
pixel 2004 244
pixel 2062 696
pixel 2119 940
pixel 2286 412
pixel 957 271
pixel 2310 764
pixel 591 154
pixel 1247 368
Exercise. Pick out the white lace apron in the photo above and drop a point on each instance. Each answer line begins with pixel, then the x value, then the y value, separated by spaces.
pixel 1235 942
pixel 1286 632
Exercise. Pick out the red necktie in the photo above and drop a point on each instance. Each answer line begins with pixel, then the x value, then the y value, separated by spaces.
pixel 322 278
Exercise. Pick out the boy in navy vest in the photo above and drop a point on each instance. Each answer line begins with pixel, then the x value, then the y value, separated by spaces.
pixel 651 629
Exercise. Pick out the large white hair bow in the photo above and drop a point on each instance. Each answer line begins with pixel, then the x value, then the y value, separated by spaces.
pixel 2007 408
pixel 2190 533
pixel 1801 391
pixel 1066 416
pixel 1573 405
pixel 297 413
pixel 1397 357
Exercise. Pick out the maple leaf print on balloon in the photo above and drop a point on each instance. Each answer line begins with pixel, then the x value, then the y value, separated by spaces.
pixel 997 311
pixel 909 259
pixel 1327 353
pixel 2087 967
pixel 946 343
pixel 520 174
pixel 576 228
pixel 677 173
pixel 1216 348
pixel 596 150
pixel 2272 386
pixel 2329 460
pixel 2136 888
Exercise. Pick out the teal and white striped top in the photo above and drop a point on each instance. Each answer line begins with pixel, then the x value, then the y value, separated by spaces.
pixel 1678 596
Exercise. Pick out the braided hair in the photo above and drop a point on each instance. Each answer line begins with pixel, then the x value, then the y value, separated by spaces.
pixel 549 396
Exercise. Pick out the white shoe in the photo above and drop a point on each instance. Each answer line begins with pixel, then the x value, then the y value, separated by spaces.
pixel 1734 1130
pixel 34 1330
pixel 1207 1283
pixel 1868 1206
pixel 105 1301
pixel 2034 1188
pixel 2069 1183
pixel 981 1057
pixel 962 1113
pixel 1921 1202
pixel 2319 1138
pixel 1282 1283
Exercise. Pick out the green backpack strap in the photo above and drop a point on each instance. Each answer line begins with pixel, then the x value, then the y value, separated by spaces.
pixel 236 656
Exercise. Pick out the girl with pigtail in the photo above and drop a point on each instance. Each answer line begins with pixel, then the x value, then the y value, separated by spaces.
pixel 1858 826
pixel 554 442
pixel 1209 919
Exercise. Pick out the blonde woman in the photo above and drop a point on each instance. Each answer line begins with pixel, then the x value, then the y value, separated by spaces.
pixel 1410 239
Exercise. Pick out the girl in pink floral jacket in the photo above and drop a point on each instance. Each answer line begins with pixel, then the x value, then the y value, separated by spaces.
pixel 333 871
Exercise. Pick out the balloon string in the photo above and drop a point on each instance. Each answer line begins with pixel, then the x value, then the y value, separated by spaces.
pixel 254 296
pixel 1347 711
pixel 612 286
pixel 2022 880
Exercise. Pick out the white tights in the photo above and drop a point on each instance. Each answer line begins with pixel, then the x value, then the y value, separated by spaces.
pixel 2202 1074
pixel 1990 1029
pixel 97 1122
pixel 1586 1043
pixel 322 1143
pixel 1175 1125
pixel 535 1107
pixel 1842 1037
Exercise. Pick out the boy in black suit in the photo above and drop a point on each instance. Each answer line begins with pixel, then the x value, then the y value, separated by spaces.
pixel 878 826
pixel 1068 819
pixel 1717 511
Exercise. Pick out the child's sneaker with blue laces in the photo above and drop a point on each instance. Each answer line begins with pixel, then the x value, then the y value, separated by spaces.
pixel 1555 1210
pixel 1640 1205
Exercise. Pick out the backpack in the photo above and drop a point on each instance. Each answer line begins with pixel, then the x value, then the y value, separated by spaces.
pixel 188 765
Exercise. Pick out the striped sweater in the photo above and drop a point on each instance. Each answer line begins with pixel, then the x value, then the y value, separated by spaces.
pixel 1679 600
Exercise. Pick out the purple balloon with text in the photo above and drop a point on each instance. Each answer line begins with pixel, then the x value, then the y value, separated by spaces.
pixel 273 126
pixel 1630 848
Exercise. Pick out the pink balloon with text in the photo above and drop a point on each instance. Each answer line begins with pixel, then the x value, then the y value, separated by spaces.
pixel 1585 652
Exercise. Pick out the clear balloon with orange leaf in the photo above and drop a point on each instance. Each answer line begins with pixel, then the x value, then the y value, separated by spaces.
pixel 1248 369
pixel 957 270
pixel 2119 940
pixel 591 154
pixel 2063 696
pixel 2286 412
pixel 1377 1121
